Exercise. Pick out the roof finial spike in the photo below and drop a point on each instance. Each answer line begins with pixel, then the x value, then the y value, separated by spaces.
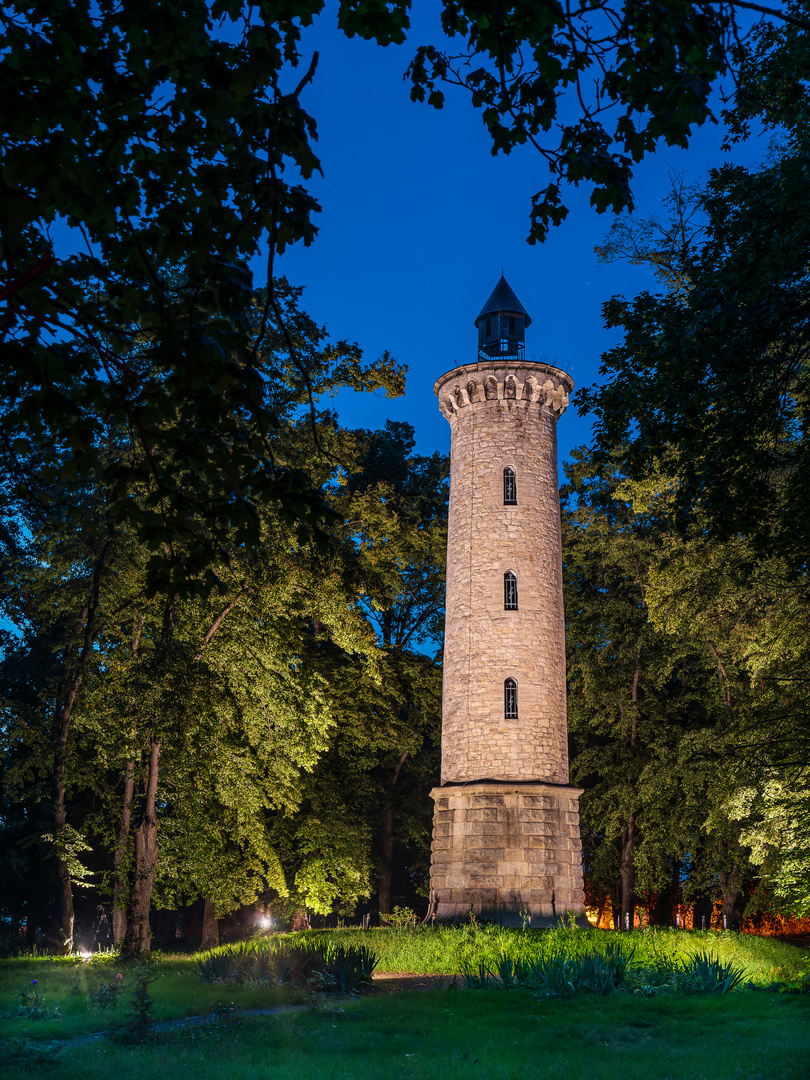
pixel 502 300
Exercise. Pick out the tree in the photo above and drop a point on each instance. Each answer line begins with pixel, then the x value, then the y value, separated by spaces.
pixel 649 702
pixel 748 619
pixel 117 665
pixel 366 796
pixel 617 672
pixel 170 140
pixel 710 385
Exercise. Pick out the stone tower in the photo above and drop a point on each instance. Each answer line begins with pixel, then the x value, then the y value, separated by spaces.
pixel 506 840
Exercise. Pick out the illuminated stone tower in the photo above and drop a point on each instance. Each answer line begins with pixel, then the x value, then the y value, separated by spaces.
pixel 506 824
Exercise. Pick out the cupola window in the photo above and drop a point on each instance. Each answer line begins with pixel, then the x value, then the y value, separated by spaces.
pixel 509 486
pixel 510 598
pixel 510 709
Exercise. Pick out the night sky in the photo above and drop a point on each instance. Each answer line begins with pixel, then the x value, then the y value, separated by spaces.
pixel 419 220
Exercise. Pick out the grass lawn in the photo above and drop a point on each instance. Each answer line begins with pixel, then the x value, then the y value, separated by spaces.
pixel 463 1034
pixel 449 950
pixel 66 989
pixel 449 1033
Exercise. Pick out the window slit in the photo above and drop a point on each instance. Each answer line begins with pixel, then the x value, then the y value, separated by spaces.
pixel 510 708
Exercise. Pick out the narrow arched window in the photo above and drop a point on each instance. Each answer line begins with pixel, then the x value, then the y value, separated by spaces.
pixel 510 591
pixel 511 324
pixel 488 331
pixel 509 486
pixel 510 700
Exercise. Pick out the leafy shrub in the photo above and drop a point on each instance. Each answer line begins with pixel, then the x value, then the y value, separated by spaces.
pixel 477 979
pixel 139 1021
pixel 705 974
pixel 401 918
pixel 218 967
pixel 295 964
pixel 29 1055
pixel 345 969
pixel 31 1004
pixel 560 974
pixel 106 995
pixel 337 968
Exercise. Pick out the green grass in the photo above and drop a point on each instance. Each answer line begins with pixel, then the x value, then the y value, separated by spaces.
pixel 176 991
pixel 434 1034
pixel 491 1035
pixel 449 950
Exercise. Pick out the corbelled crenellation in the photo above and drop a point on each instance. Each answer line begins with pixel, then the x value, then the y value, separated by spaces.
pixel 491 380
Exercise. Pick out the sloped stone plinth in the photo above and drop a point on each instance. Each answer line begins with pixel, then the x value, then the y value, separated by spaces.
pixel 510 852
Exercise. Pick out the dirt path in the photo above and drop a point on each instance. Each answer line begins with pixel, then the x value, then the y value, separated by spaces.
pixel 384 982
pixel 389 982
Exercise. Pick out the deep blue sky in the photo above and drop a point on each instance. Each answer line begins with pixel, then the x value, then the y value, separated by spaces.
pixel 419 219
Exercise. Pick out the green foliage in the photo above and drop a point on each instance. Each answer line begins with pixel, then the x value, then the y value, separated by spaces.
pixel 218 967
pixel 344 969
pixel 30 1055
pixel 451 950
pixel 107 994
pixel 709 384
pixel 400 918
pixel 139 1022
pixel 558 973
pixel 456 1035
pixel 334 968
pixel 706 974
pixel 550 77
pixel 705 405
pixel 31 1005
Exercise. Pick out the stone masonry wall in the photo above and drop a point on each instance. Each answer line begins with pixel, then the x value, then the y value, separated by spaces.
pixel 503 416
pixel 510 854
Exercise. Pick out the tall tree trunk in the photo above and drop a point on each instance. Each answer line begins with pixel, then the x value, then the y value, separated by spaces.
pixel 64 884
pixel 387 845
pixel 616 904
pixel 730 880
pixel 676 890
pixel 730 914
pixel 628 873
pixel 67 691
pixel 387 859
pixel 138 937
pixel 210 926
pixel 119 916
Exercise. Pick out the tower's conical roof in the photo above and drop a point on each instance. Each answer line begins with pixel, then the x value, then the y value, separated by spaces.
pixel 502 299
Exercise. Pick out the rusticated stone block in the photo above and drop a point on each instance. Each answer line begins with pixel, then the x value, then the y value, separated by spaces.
pixel 505 879
pixel 484 813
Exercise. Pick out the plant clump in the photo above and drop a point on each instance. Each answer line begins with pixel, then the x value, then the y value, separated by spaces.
pixel 559 974
pixel 342 969
pixel 30 1004
pixel 106 995
pixel 563 974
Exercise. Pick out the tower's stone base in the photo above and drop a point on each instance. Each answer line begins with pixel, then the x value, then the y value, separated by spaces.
pixel 509 852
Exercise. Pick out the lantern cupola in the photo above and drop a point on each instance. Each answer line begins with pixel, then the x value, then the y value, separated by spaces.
pixel 501 324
